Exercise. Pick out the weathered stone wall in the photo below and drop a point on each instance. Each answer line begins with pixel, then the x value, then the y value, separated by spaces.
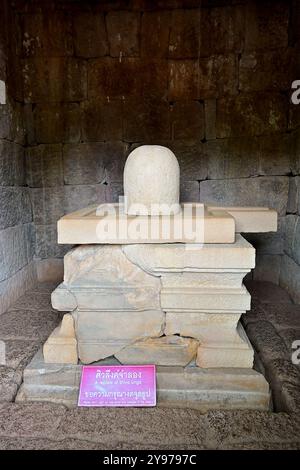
pixel 211 80
pixel 16 228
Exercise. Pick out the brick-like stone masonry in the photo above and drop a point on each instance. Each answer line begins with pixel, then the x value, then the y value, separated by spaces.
pixel 17 270
pixel 272 324
pixel 212 83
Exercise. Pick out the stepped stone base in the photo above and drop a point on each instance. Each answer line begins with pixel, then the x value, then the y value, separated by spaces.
pixel 183 387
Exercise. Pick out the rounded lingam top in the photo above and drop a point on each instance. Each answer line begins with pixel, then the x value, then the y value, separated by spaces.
pixel 151 181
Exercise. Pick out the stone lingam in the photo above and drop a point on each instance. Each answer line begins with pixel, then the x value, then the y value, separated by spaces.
pixel 156 282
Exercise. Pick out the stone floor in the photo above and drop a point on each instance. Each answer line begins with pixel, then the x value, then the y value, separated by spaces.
pixel 272 325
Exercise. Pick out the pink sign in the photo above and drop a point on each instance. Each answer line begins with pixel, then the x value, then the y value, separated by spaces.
pixel 117 386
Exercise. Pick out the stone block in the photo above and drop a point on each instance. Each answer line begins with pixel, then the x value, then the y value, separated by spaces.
pixel 267 268
pixel 87 163
pixel 290 226
pixel 163 351
pixel 223 357
pixel 17 127
pixel 123 29
pixel 189 387
pixel 265 191
pixel 16 249
pixel 29 123
pixel 204 79
pixel 114 157
pixel 222 29
pixel 189 191
pixel 44 286
pixel 50 270
pixel 15 206
pixel 251 114
pixel 294 117
pixel 102 120
pixel 187 120
pixel 131 288
pixel 295 254
pixel 184 41
pixel 12 288
pixel 61 346
pixel 90 38
pixel 183 79
pixel 2 62
pixel 46 245
pixel 47 204
pixel 146 120
pixel 290 277
pixel 102 334
pixel 203 326
pixel 204 279
pixel 113 191
pixel 79 196
pixel 83 163
pixel 54 79
pixel 223 353
pixel 11 122
pixel 293 205
pixel 5 118
pixel 12 169
pixel 111 78
pixel 266 25
pixel 232 158
pixel 217 77
pixel 153 86
pixel 50 204
pixel 57 123
pixel 210 110
pixel 63 299
pixel 218 385
pixel 44 34
pixel 44 166
pixel 128 78
pixel 205 299
pixel 160 259
pixel 192 158
pixel 155 30
pixel 276 154
pixel 268 70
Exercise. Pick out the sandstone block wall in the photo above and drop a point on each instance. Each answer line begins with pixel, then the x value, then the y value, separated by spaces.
pixel 17 270
pixel 211 79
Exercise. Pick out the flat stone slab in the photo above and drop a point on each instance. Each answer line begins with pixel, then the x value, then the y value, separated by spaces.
pixel 164 351
pixel 189 387
pixel 250 219
pixel 213 225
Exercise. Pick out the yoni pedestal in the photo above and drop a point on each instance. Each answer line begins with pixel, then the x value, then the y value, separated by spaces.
pixel 172 305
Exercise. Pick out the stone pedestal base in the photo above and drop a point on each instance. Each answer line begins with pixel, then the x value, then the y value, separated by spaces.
pixel 183 387
pixel 171 305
